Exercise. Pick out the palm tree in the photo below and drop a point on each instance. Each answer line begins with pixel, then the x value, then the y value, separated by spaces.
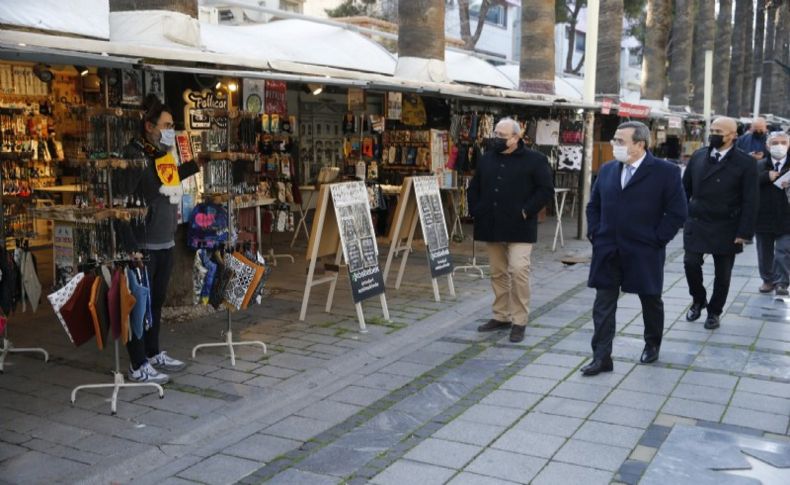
pixel 737 55
pixel 188 7
pixel 721 57
pixel 680 65
pixel 470 39
pixel 770 33
pixel 747 93
pixel 704 36
pixel 610 41
pixel 759 41
pixel 654 62
pixel 536 72
pixel 421 40
pixel 780 82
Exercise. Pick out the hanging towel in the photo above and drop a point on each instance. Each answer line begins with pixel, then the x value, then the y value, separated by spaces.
pixel 114 304
pixel 76 314
pixel 30 282
pixel 61 296
pixel 127 304
pixel 98 309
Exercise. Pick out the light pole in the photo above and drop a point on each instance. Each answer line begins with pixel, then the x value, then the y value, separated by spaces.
pixel 590 64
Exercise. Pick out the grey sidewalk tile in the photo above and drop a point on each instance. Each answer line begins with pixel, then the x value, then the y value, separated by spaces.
pixel 610 413
pixel 759 386
pixel 404 471
pixel 274 371
pixel 693 409
pixel 563 426
pixel 448 454
pixel 60 433
pixel 769 365
pixel 529 384
pixel 231 375
pixel 567 474
pixel 610 434
pixel 426 357
pixel 716 395
pixel 466 478
pixel 8 451
pixel 711 379
pixel 392 420
pixel 584 392
pixel 262 448
pixel 336 460
pixel 527 442
pixel 329 410
pixel 651 379
pixel 381 380
pixel 636 400
pixel 767 404
pixel 545 371
pixel 26 468
pixel 593 455
pixel 406 369
pixel 725 359
pixel 469 432
pixel 298 428
pixel 496 415
pixel 562 360
pixel 185 403
pixel 509 466
pixel 512 399
pixel 297 477
pixel 565 407
pixel 360 396
pixel 219 470
pixel 774 423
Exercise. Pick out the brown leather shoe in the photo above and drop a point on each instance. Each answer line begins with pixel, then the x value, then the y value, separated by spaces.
pixel 766 288
pixel 517 333
pixel 493 325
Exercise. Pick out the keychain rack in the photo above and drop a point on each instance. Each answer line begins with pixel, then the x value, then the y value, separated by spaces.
pixel 118 379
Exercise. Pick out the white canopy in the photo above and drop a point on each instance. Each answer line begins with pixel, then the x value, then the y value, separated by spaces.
pixel 83 17
pixel 565 87
pixel 465 68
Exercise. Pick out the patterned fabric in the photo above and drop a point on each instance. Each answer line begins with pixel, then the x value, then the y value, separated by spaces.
pixel 570 157
pixel 199 273
pixel 76 314
pixel 243 278
pixel 60 297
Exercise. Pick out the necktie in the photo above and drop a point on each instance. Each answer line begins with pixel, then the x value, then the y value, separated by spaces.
pixel 716 157
pixel 777 165
pixel 629 172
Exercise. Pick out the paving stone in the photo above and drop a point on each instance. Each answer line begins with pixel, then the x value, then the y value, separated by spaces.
pixel 296 362
pixel 529 384
pixel 263 381
pixel 7 451
pixel 496 415
pixel 262 448
pixel 651 380
pixel 758 386
pixel 381 380
pixel 643 453
pixel 445 347
pixel 466 478
pixel 406 369
pixel 360 396
pixel 512 399
pixel 610 413
pixel 698 392
pixel 767 404
pixel 636 400
pixel 449 454
pixel 593 455
pixel 404 471
pixel 391 420
pixel 569 361
pixel 545 371
pixel 563 426
pixel 565 407
pixel 329 410
pixel 567 474
pixel 27 468
pixel 274 371
pixel 432 399
pixel 60 433
pixel 669 420
pixel 610 434
pixel 469 432
pixel 195 380
pixel 298 477
pixel 509 466
pixel 231 375
pixel 336 460
pixel 527 442
pixel 584 392
pixel 755 419
pixel 298 428
pixel 693 409
pixel 426 357
pixel 187 404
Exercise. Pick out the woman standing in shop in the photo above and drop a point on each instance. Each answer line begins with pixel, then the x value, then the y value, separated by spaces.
pixel 160 189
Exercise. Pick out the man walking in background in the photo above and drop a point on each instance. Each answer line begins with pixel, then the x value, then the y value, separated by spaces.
pixel 753 142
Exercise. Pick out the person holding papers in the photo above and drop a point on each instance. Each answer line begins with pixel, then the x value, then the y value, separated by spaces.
pixel 772 228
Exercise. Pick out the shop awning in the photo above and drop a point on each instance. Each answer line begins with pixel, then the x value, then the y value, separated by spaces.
pixel 466 68
pixel 81 17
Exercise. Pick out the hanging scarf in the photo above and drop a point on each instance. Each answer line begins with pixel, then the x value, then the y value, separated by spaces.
pixel 167 170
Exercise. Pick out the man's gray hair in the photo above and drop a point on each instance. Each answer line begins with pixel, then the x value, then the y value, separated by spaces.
pixel 777 134
pixel 641 131
pixel 513 124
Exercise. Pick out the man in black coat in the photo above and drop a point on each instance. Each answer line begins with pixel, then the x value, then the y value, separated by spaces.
pixel 721 186
pixel 510 187
pixel 772 229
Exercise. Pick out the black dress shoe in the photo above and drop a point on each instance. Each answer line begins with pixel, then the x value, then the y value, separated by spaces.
pixel 695 311
pixel 517 333
pixel 712 322
pixel 492 325
pixel 597 366
pixel 650 354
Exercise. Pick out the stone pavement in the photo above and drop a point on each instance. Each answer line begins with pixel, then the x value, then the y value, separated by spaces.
pixel 424 398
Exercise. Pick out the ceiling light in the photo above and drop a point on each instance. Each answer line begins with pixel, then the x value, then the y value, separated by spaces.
pixel 233 87
pixel 82 70
pixel 218 85
pixel 314 89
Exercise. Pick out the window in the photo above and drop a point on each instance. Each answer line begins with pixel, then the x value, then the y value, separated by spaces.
pixel 291 6
pixel 581 38
pixel 497 14
pixel 635 57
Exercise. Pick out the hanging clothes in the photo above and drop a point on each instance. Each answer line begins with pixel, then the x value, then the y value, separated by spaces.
pixel 60 297
pixel 199 272
pixel 128 302
pixel 30 284
pixel 114 304
pixel 141 295
pixel 76 314
pixel 99 310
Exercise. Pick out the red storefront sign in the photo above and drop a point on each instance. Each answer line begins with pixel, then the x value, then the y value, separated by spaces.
pixel 628 110
pixel 606 106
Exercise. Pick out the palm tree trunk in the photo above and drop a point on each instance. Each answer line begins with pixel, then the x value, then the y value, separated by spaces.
pixel 680 65
pixel 704 38
pixel 654 62
pixel 573 20
pixel 768 67
pixel 610 41
pixel 759 41
pixel 721 57
pixel 779 83
pixel 747 93
pixel 188 7
pixel 421 40
pixel 536 72
pixel 738 56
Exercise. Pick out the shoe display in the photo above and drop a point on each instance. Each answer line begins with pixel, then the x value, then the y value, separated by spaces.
pixel 517 333
pixel 695 311
pixel 650 354
pixel 492 325
pixel 712 322
pixel 166 363
pixel 146 373
pixel 597 366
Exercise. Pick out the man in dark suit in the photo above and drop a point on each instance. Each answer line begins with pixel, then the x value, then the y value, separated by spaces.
pixel 721 186
pixel 510 187
pixel 637 206
pixel 772 229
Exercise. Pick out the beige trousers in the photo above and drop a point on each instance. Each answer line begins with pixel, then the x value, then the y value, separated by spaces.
pixel 510 265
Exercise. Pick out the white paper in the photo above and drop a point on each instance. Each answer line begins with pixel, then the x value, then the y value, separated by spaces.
pixel 783 178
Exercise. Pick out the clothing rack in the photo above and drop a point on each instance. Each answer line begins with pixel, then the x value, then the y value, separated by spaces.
pixel 229 343
pixel 473 263
pixel 118 379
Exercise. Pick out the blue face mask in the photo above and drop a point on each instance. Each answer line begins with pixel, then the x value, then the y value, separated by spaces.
pixel 168 137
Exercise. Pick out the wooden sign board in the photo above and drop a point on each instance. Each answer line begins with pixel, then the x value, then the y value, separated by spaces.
pixel 343 227
pixel 420 200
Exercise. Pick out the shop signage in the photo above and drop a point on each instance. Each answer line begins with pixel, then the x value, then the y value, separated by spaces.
pixel 356 100
pixel 394 106
pixel 276 99
pixel 358 239
pixel 628 110
pixel 674 122
pixel 205 109
pixel 184 147
pixel 63 248
pixel 253 94
pixel 606 106
pixel 434 228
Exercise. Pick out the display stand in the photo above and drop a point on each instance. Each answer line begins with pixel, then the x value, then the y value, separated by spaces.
pixel 452 194
pixel 473 266
pixel 325 240
pixel 272 256
pixel 559 206
pixel 401 236
pixel 303 210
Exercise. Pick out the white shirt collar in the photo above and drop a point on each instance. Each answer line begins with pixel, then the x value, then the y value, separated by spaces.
pixel 723 153
pixel 780 162
pixel 637 163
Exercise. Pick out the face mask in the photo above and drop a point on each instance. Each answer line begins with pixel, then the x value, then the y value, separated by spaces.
pixel 759 134
pixel 168 137
pixel 778 152
pixel 498 145
pixel 620 153
pixel 716 141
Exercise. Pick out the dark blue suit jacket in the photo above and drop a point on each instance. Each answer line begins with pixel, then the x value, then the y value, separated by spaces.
pixel 635 222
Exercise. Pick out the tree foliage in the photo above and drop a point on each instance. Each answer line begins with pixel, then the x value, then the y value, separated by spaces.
pixel 351 8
